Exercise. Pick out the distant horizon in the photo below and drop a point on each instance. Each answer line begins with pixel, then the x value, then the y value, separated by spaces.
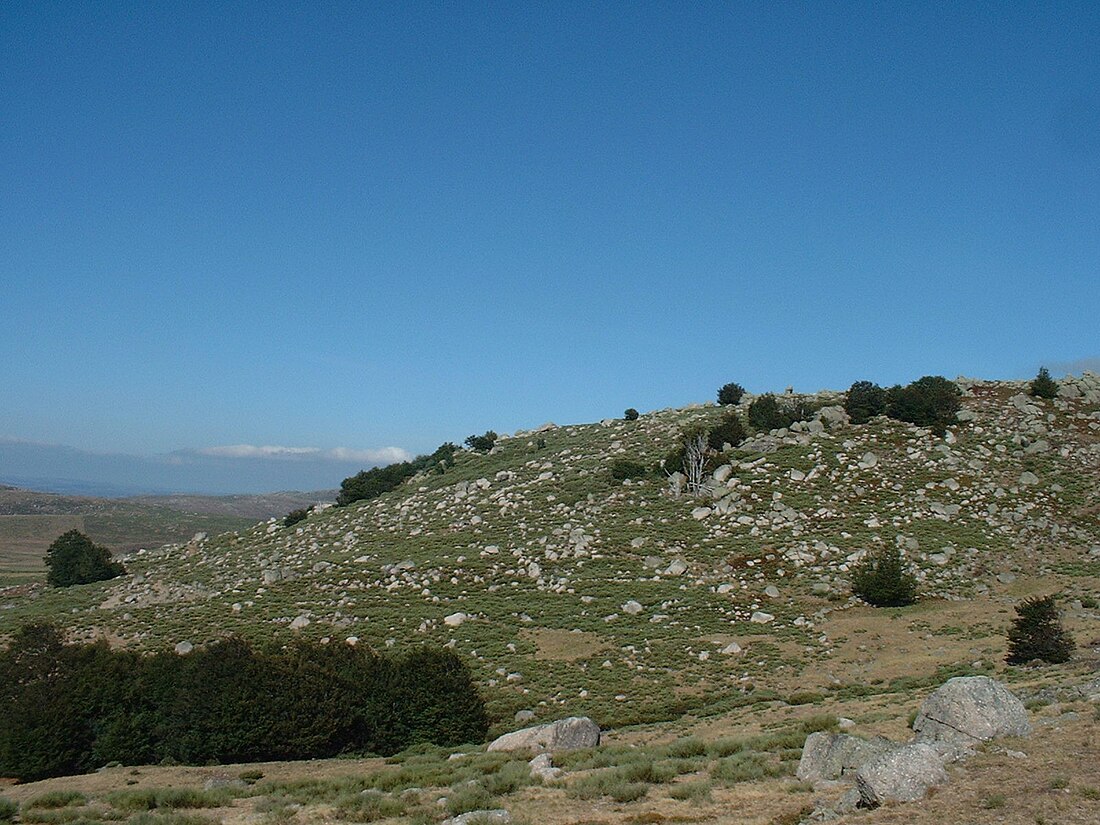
pixel 276 243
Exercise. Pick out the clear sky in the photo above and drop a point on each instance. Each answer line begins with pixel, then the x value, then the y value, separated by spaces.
pixel 367 225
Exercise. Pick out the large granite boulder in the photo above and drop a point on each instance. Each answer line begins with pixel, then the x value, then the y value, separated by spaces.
pixel 828 756
pixel 903 774
pixel 563 735
pixel 968 710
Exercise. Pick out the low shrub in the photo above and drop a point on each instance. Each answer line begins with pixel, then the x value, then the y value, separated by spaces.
pixel 295 516
pixel 56 799
pixel 698 791
pixel 729 430
pixel 730 394
pixel 931 401
pixel 864 401
pixel 482 443
pixel 1043 386
pixel 8 809
pixel 469 797
pixel 631 414
pixel 1037 633
pixel 882 579
pixel 624 468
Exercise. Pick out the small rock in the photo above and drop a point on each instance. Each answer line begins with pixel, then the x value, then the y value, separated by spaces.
pixel 183 648
pixel 455 619
pixel 760 617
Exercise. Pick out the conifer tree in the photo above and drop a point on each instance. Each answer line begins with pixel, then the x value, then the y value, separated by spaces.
pixel 1037 633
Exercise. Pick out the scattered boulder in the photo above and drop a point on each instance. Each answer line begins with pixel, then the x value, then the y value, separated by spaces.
pixel 183 648
pixel 632 608
pixel 563 735
pixel 455 619
pixel 543 768
pixel 827 756
pixel 967 710
pixel 497 816
pixel 902 774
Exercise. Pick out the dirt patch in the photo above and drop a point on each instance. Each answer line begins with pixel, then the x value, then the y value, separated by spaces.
pixel 563 645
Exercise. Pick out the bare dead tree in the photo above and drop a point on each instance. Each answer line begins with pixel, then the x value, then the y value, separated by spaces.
pixel 695 458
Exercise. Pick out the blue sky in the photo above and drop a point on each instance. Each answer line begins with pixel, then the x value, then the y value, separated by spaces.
pixel 386 225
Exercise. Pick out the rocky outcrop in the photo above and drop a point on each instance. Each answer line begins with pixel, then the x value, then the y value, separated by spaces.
pixel 563 735
pixel 903 774
pixel 968 710
pixel 829 756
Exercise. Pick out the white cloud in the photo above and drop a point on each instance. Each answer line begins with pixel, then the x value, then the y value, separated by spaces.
pixel 381 455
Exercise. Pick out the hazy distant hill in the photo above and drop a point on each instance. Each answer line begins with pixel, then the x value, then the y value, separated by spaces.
pixel 30 520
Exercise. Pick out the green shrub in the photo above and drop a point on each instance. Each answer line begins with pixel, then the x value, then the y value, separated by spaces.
pixel 56 799
pixel 74 559
pixel 295 516
pixel 631 414
pixel 370 484
pixel 729 431
pixel 623 468
pixel 931 401
pixel 469 797
pixel 882 579
pixel 864 401
pixel 1043 386
pixel 482 443
pixel 765 414
pixel 730 394
pixel 8 809
pixel 691 791
pixel 1037 633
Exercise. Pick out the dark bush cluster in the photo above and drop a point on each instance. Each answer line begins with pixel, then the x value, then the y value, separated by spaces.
pixel 1037 633
pixel 729 430
pixel 931 401
pixel 1043 386
pixel 72 708
pixel 372 483
pixel 482 443
pixel 295 516
pixel 864 401
pixel 882 579
pixel 624 468
pixel 769 413
pixel 730 394
pixel 74 559
pixel 631 414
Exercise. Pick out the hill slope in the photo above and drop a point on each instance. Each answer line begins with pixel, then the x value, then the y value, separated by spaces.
pixel 571 593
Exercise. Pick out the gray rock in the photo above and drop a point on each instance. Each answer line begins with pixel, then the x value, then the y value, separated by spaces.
pixel 497 816
pixel 827 756
pixel 543 768
pixel 903 774
pixel 632 608
pixel 677 568
pixel 967 710
pixel 833 417
pixel 563 735
pixel 183 648
pixel 524 716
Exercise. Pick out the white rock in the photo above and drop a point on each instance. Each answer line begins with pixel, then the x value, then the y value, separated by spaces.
pixel 183 648
pixel 632 608
pixel 455 619
pixel 299 622
pixel 760 617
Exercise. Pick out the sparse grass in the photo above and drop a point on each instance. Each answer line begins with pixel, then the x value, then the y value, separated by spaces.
pixel 698 791
pixel 148 799
pixel 993 802
pixel 56 799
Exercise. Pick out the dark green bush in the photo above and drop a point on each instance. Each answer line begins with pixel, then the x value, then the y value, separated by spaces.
pixel 931 401
pixel 8 809
pixel 295 516
pixel 631 414
pixel 482 443
pixel 730 394
pixel 68 709
pixel 765 414
pixel 883 579
pixel 1043 386
pixel 74 559
pixel 864 401
pixel 623 468
pixel 370 484
pixel 729 430
pixel 1037 633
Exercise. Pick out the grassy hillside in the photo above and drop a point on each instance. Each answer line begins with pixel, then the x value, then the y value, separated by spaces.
pixel 580 594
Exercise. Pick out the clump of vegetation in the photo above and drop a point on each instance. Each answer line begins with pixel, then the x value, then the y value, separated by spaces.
pixel 730 394
pixel 1043 386
pixel 74 559
pixel 370 484
pixel 8 809
pixel 864 401
pixel 882 579
pixel 729 430
pixel 1037 633
pixel 482 443
pixel 630 414
pixel 67 709
pixel 768 413
pixel 624 468
pixel 931 401
pixel 52 800
pixel 295 516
